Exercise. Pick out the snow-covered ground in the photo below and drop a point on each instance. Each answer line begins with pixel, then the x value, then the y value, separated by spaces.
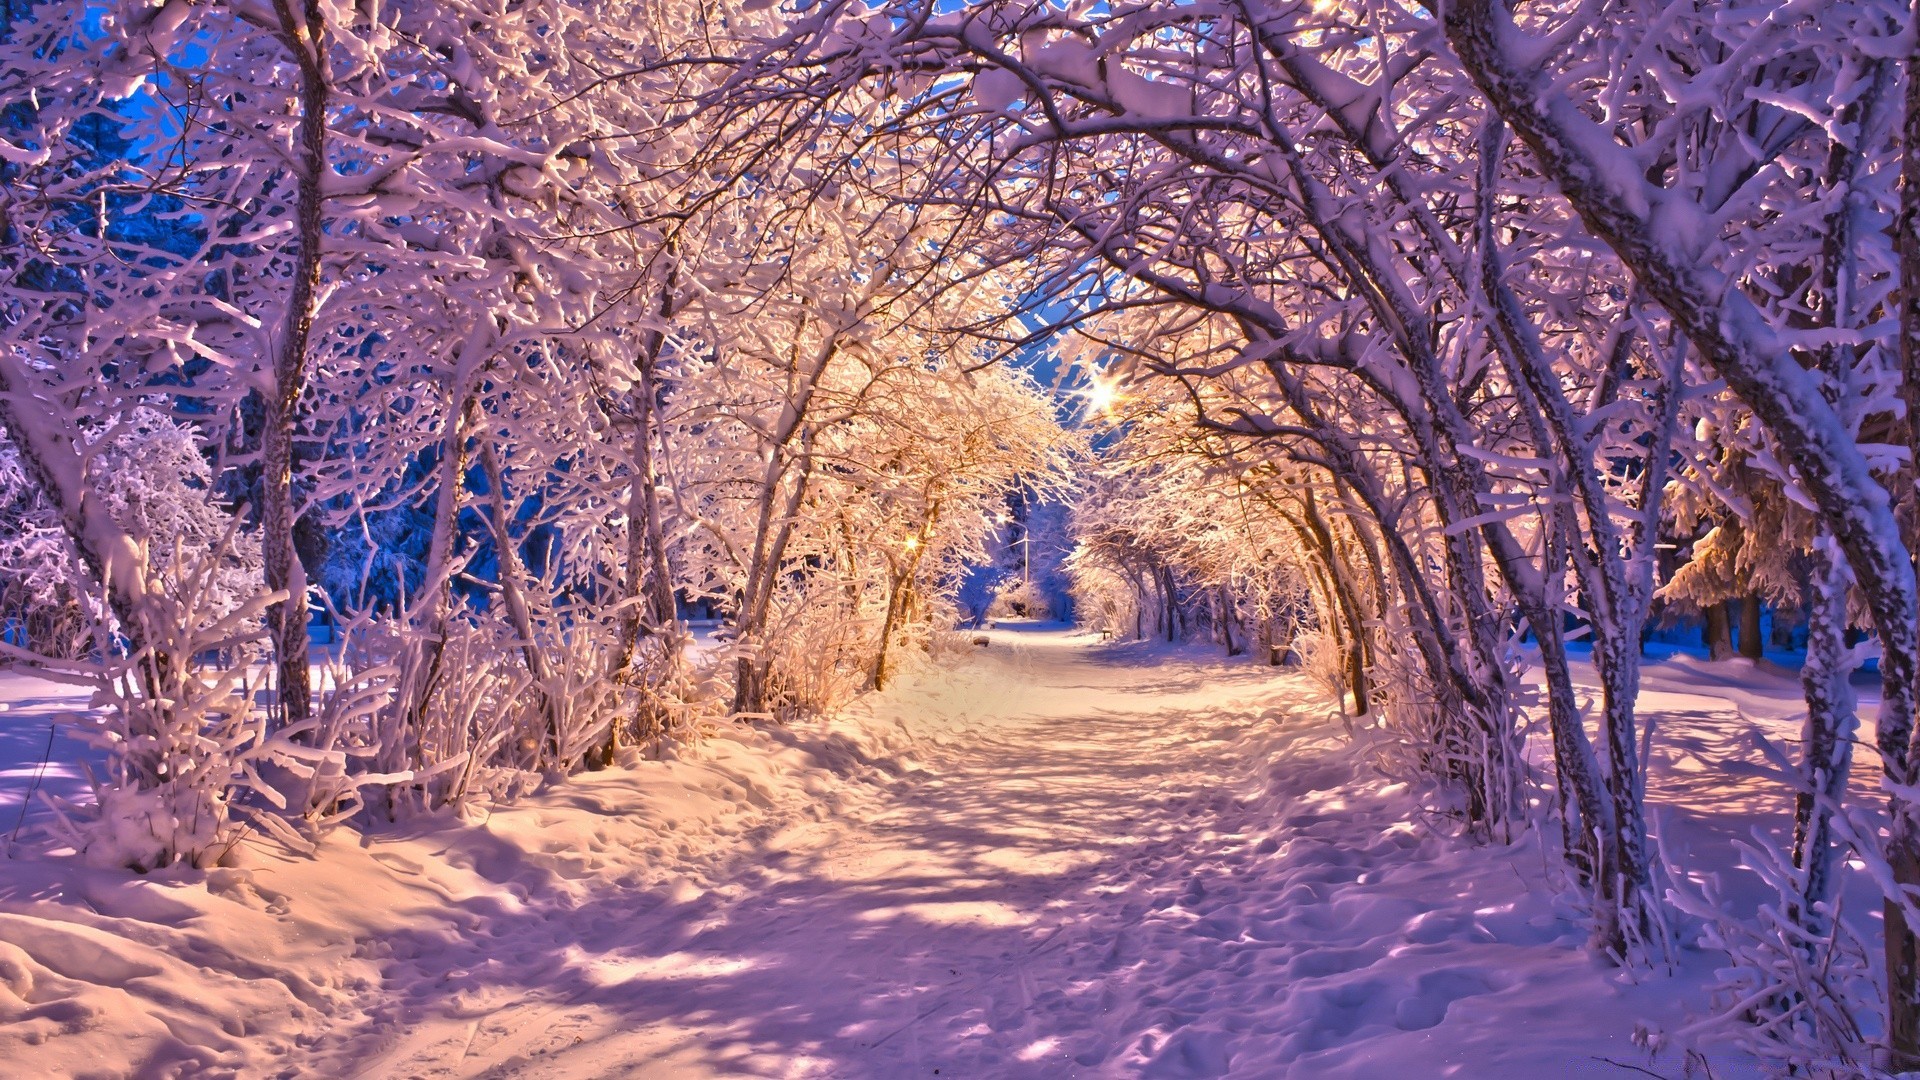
pixel 36 752
pixel 1053 858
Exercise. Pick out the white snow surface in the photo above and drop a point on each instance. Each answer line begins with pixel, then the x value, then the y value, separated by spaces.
pixel 1053 858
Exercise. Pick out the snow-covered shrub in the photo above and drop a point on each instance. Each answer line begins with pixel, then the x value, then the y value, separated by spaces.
pixel 1474 745
pixel 40 609
pixel 1799 988
pixel 582 695
pixel 1323 660
pixel 474 711
pixel 148 471
pixel 1021 599
pixel 1105 598
pixel 666 697
pixel 187 735
pixel 152 475
pixel 180 726
pixel 178 736
pixel 817 650
pixel 185 723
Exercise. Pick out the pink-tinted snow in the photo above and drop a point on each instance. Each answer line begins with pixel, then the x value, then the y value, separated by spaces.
pixel 1051 859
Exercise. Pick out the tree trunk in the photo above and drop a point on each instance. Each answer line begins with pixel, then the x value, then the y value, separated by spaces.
pixel 518 613
pixel 1226 622
pixel 899 598
pixel 774 529
pixel 1903 841
pixel 1164 625
pixel 1588 828
pixel 1751 645
pixel 1826 737
pixel 420 670
pixel 649 579
pixel 304 37
pixel 1781 631
pixel 1902 945
pixel 1179 610
pixel 1350 629
pixel 1627 859
pixel 1717 634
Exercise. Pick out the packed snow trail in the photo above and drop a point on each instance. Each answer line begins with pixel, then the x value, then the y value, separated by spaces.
pixel 1106 862
pixel 1049 858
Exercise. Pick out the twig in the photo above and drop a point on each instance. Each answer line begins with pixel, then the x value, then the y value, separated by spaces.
pixel 1631 1068
pixel 33 787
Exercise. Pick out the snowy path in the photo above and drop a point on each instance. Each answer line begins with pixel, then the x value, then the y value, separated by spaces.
pixel 947 923
pixel 1070 884
pixel 1055 859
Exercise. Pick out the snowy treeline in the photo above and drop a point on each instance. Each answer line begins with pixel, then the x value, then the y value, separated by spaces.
pixel 415 316
pixel 1430 343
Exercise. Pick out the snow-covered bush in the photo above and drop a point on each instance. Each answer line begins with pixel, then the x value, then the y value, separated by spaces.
pixel 449 730
pixel 179 736
pixel 818 650
pixel 179 723
pixel 1020 598
pixel 149 472
pixel 40 609
pixel 1798 985
pixel 1324 661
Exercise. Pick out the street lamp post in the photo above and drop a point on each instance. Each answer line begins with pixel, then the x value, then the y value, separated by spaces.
pixel 1026 553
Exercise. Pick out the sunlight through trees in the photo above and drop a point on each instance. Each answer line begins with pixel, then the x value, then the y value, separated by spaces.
pixel 407 401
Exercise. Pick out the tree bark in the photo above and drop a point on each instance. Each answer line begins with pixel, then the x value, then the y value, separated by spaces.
pixel 1826 737
pixel 1344 619
pixel 303 36
pixel 775 522
pixel 900 590
pixel 649 579
pixel 519 615
pixel 421 666
pixel 1717 631
pixel 1226 622
pixel 1902 944
pixel 1164 582
pixel 1752 646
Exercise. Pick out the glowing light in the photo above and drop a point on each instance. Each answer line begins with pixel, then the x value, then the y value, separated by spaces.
pixel 1100 395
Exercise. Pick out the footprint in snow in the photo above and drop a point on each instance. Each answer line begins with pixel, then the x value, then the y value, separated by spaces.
pixel 1435 992
pixel 1190 1052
